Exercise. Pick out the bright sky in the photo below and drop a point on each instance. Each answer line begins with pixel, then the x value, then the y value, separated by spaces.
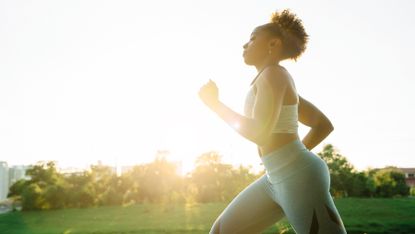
pixel 82 81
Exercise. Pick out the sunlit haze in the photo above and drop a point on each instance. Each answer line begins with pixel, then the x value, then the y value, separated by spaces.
pixel 116 81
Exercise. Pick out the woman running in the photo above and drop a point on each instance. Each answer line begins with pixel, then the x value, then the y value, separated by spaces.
pixel 296 184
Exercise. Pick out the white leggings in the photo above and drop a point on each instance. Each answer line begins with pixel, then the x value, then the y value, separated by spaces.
pixel 296 185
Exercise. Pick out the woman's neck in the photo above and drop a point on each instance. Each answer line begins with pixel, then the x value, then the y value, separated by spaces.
pixel 260 68
pixel 266 63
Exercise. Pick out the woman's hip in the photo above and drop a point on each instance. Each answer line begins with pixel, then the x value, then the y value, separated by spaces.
pixel 291 160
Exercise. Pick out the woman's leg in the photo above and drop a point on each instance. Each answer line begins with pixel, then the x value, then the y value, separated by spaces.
pixel 306 200
pixel 251 211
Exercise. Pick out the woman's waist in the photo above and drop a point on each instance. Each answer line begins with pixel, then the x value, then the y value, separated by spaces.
pixel 277 141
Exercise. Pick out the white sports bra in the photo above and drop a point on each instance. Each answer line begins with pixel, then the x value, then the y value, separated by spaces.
pixel 287 120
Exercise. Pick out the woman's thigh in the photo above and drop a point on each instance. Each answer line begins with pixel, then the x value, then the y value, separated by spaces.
pixel 251 211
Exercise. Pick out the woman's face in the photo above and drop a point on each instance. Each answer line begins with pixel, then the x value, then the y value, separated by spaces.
pixel 256 49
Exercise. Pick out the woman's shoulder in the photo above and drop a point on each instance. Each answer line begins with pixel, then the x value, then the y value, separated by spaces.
pixel 275 75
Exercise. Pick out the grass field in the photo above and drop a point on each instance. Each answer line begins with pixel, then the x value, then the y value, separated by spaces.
pixel 372 216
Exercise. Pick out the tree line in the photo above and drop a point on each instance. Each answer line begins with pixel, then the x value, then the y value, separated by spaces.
pixel 159 182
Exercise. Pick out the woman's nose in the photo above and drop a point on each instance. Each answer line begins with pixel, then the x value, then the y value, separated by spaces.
pixel 245 45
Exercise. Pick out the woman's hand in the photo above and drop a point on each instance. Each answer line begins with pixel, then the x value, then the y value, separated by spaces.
pixel 209 94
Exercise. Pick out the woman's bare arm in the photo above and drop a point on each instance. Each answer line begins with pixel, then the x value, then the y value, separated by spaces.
pixel 320 125
pixel 266 109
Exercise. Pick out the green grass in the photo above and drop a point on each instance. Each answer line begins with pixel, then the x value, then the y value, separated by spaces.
pixel 375 216
pixel 372 216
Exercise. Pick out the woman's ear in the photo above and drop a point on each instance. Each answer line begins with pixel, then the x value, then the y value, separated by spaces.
pixel 275 42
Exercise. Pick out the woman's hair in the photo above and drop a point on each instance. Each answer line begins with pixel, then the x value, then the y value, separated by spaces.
pixel 289 28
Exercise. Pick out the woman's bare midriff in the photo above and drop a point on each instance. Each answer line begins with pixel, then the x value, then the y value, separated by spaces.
pixel 276 141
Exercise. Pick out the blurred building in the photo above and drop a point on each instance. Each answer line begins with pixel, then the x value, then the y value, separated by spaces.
pixel 17 173
pixel 409 176
pixel 4 180
pixel 68 171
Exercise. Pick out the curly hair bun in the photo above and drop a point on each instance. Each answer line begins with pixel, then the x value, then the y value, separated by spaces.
pixel 294 38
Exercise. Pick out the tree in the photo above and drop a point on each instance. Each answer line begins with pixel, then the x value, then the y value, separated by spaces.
pixel 241 178
pixel 157 181
pixel 32 197
pixel 45 189
pixel 81 191
pixel 17 188
pixel 341 171
pixel 362 185
pixel 390 182
pixel 43 173
pixel 105 181
pixel 55 195
pixel 212 178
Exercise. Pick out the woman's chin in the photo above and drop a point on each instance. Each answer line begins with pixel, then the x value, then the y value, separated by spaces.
pixel 247 62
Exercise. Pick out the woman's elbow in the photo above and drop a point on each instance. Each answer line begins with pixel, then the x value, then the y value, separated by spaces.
pixel 323 124
pixel 327 126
